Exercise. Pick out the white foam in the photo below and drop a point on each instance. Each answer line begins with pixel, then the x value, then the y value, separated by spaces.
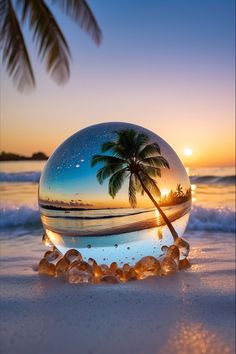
pixel 208 219
pixel 20 177
pixel 34 177
pixel 18 216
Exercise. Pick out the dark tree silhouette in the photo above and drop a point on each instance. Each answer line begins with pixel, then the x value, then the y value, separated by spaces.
pixel 136 158
pixel 179 190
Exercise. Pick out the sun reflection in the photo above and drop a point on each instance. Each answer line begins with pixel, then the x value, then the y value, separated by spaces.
pixel 158 217
pixel 188 151
pixel 55 238
pixel 195 338
pixel 164 192
pixel 159 233
pixel 46 241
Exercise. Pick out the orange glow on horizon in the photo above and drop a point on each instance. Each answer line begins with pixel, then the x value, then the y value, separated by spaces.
pixel 216 152
pixel 185 96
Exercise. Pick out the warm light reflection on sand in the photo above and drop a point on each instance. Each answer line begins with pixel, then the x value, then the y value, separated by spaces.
pixel 194 338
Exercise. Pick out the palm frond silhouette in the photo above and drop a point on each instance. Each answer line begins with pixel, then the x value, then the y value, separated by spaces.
pixel 51 45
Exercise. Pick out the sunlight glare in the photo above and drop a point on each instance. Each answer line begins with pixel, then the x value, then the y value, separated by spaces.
pixel 188 151
pixel 164 192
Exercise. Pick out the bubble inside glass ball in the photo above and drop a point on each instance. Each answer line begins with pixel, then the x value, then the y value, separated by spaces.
pixel 97 194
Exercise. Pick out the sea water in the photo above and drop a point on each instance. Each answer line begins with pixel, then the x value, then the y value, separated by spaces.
pixel 213 207
pixel 19 195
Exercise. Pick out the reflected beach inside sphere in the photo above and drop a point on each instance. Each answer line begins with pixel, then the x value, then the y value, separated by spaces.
pixel 87 203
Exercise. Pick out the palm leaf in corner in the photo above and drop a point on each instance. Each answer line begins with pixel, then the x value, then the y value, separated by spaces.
pixel 51 45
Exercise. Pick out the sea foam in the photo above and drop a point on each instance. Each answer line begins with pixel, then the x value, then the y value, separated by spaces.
pixel 19 216
pixel 208 219
pixel 32 177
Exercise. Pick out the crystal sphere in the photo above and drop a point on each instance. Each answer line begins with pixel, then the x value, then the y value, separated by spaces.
pixel 113 191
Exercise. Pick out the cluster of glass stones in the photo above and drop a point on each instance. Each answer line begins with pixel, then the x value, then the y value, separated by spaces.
pixel 75 270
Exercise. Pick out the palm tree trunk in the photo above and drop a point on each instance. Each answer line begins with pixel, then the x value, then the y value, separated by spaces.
pixel 163 215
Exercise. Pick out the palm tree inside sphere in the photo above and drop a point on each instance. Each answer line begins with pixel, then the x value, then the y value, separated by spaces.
pixel 51 45
pixel 133 156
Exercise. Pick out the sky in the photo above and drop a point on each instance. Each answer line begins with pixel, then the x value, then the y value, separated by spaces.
pixel 69 176
pixel 166 65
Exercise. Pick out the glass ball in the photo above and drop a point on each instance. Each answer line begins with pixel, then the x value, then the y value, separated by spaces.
pixel 115 192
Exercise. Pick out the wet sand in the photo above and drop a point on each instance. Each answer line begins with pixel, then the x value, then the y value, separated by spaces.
pixel 189 312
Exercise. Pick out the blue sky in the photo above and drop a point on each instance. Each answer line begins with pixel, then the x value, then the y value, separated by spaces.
pixel 167 65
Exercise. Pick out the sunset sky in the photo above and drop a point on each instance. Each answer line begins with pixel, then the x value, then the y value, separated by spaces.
pixel 69 175
pixel 164 64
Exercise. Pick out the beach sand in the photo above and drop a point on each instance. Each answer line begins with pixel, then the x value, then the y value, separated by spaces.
pixel 189 312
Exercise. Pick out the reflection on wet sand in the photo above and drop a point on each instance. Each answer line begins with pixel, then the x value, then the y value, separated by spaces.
pixel 194 338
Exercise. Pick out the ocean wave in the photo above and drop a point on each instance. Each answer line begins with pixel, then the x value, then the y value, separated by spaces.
pixel 228 180
pixel 32 177
pixel 20 216
pixel 208 219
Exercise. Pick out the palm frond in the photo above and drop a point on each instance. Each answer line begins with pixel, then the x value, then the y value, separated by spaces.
pixel 133 156
pixel 50 41
pixel 3 11
pixel 132 191
pixel 151 170
pixel 149 150
pixel 126 134
pixel 156 161
pixel 115 148
pixel 80 12
pixel 140 141
pixel 138 185
pixel 107 160
pixel 150 183
pixel 116 181
pixel 121 152
pixel 15 55
pixel 126 142
pixel 108 146
pixel 107 171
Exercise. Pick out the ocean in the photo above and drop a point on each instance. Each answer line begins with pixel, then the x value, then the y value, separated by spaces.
pixel 213 210
pixel 50 315
pixel 213 198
